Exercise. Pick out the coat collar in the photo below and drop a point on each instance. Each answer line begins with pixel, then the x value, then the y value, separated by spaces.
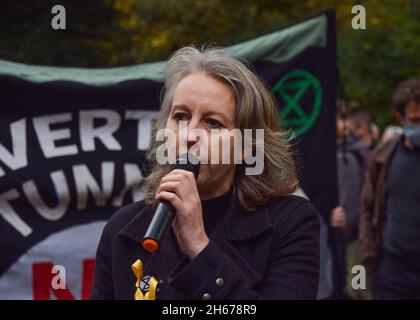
pixel 385 152
pixel 136 228
pixel 238 225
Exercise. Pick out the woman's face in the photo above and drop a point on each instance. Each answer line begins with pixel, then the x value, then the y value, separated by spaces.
pixel 204 103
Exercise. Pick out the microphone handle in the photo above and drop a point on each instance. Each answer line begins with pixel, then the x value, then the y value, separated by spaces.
pixel 162 219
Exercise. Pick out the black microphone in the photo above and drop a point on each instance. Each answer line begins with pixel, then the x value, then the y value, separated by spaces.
pixel 165 212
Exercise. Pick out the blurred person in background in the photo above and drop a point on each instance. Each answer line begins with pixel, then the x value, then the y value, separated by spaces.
pixel 390 220
pixel 361 135
pixel 355 141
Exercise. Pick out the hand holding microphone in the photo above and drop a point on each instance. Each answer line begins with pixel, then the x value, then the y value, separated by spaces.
pixel 178 190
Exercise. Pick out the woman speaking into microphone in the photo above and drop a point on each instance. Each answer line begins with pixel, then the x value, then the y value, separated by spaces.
pixel 235 233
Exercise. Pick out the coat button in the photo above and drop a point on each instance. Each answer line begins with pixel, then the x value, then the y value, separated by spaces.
pixel 206 296
pixel 160 284
pixel 220 282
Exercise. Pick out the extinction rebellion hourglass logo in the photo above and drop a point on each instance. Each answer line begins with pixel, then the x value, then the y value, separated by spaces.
pixel 291 90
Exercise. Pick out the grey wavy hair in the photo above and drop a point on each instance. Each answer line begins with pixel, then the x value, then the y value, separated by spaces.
pixel 255 108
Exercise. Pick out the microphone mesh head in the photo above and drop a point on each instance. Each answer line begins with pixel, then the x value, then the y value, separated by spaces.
pixel 187 162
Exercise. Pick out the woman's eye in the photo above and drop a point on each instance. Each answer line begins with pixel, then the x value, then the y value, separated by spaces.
pixel 213 123
pixel 180 116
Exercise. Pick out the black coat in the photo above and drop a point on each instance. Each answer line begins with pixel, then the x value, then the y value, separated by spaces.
pixel 272 253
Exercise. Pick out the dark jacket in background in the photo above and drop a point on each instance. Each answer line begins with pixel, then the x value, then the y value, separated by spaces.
pixel 272 253
pixel 372 220
pixel 350 174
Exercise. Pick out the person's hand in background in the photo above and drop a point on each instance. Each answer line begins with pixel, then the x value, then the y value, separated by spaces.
pixel 338 217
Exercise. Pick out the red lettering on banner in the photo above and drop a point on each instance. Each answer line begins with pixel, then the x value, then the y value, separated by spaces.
pixel 42 278
pixel 88 272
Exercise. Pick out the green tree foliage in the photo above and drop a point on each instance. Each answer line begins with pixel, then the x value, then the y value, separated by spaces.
pixel 105 33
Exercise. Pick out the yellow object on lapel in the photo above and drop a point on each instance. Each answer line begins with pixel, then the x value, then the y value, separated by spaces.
pixel 145 285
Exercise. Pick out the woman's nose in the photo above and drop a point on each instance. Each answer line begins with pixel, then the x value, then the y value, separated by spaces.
pixel 189 133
